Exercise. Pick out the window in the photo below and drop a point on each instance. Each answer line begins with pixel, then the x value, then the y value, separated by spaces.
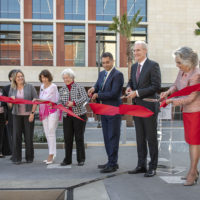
pixel 75 9
pixel 74 45
pixel 107 42
pixel 105 10
pixel 9 44
pixel 42 9
pixel 134 5
pixel 42 45
pixel 10 9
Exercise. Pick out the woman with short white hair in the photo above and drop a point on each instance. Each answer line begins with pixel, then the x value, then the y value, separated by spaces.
pixel 189 74
pixel 73 96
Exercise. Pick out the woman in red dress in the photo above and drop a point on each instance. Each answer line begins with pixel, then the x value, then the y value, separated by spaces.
pixel 189 74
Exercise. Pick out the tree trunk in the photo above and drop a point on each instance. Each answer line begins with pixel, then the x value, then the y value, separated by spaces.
pixel 129 53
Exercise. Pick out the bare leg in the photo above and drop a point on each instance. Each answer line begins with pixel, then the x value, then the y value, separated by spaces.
pixel 194 158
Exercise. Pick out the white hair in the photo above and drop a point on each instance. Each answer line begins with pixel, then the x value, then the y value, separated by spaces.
pixel 188 56
pixel 144 44
pixel 68 72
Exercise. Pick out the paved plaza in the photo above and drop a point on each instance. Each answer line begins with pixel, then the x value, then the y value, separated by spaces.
pixel 41 182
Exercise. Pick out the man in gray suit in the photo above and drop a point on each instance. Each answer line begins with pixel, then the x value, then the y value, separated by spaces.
pixel 145 82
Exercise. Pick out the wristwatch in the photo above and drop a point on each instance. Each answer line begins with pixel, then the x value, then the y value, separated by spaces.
pixel 32 112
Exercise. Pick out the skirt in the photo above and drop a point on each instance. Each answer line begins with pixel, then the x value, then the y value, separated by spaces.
pixel 191 123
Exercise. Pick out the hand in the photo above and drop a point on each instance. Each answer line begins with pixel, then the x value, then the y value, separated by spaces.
pixel 128 90
pixel 70 103
pixel 6 122
pixel 94 96
pixel 91 91
pixel 13 97
pixel 31 117
pixel 163 95
pixel 168 101
pixel 132 94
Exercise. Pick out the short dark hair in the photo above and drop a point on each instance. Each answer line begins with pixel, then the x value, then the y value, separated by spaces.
pixel 46 73
pixel 10 74
pixel 107 54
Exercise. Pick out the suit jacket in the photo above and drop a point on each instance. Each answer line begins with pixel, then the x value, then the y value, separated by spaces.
pixel 148 85
pixel 6 90
pixel 112 90
pixel 190 103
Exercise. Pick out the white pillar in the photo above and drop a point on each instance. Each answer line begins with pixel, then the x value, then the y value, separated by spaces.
pixel 118 37
pixel 22 32
pixel 54 33
pixel 86 33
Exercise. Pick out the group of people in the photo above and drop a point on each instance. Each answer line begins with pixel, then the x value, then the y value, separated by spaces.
pixel 144 82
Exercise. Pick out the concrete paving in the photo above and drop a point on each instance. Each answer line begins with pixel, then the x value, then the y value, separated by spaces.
pixel 37 181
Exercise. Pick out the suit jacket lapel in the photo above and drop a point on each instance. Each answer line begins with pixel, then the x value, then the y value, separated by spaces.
pixel 144 69
pixel 109 77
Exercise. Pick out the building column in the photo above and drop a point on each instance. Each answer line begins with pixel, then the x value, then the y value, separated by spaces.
pixel 27 33
pixel 60 45
pixel 27 44
pixel 60 9
pixel 123 57
pixel 91 34
pixel 60 53
pixel 27 9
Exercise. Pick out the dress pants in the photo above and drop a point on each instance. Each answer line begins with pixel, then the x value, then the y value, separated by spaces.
pixel 50 124
pixel 111 132
pixel 74 127
pixel 21 125
pixel 2 125
pixel 146 133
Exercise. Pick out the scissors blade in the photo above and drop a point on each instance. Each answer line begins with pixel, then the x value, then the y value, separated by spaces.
pixel 151 100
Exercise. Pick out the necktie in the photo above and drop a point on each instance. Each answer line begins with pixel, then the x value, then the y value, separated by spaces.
pixel 138 72
pixel 104 79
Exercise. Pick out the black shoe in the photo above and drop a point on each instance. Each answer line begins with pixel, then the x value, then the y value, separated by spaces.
pixel 138 170
pixel 102 166
pixel 80 163
pixel 109 169
pixel 29 161
pixel 105 165
pixel 150 173
pixel 65 163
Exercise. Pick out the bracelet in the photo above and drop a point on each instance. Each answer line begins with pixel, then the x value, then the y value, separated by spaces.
pixel 32 112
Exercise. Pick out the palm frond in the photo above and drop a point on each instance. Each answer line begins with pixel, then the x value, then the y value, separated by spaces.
pixel 197 32
pixel 198 24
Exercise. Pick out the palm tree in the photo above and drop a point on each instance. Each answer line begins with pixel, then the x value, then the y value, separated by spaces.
pixel 197 31
pixel 125 28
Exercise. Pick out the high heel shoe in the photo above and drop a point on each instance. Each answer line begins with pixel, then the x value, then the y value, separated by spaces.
pixel 192 182
pixel 51 161
pixel 185 177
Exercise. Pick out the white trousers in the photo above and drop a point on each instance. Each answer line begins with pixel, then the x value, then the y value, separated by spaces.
pixel 50 125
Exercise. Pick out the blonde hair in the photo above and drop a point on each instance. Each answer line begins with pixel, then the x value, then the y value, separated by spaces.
pixel 14 83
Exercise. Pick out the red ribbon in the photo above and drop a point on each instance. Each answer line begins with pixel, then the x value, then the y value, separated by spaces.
pixel 25 101
pixel 185 91
pixel 101 109
pixel 134 110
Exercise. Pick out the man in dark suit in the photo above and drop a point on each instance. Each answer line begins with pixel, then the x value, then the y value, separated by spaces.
pixel 108 90
pixel 145 82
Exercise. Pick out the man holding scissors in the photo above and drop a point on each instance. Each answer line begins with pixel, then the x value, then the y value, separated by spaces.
pixel 108 90
pixel 145 82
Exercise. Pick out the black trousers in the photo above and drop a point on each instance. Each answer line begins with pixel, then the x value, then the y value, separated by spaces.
pixel 2 125
pixel 21 125
pixel 10 129
pixel 146 133
pixel 74 127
